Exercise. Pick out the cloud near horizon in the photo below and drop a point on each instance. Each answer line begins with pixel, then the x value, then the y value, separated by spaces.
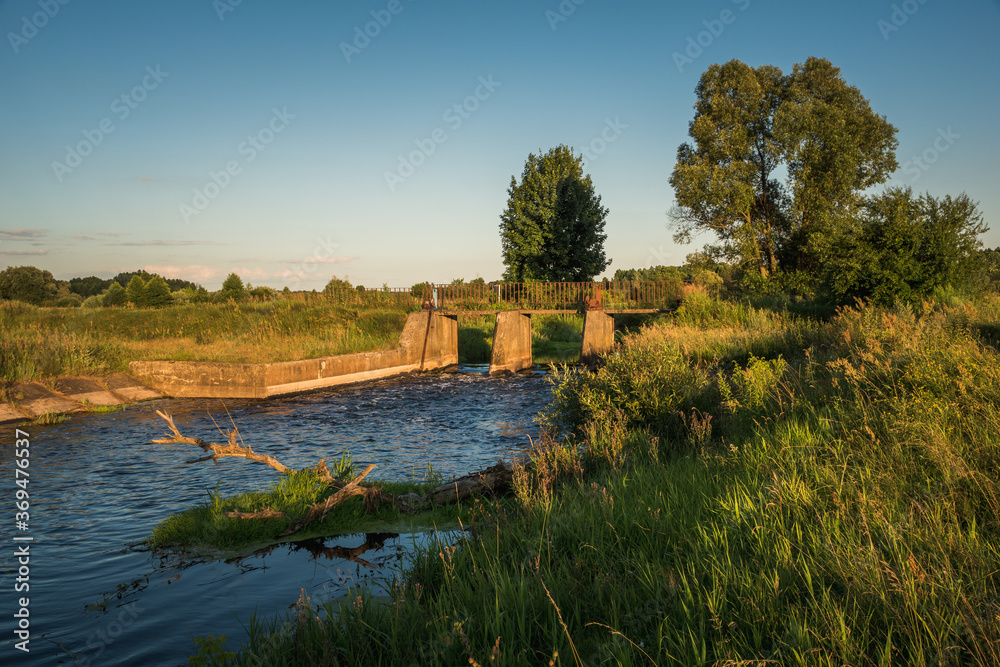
pixel 23 252
pixel 22 234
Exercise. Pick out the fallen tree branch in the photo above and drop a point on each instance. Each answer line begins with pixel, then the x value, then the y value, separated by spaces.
pixel 496 479
pixel 318 510
pixel 220 451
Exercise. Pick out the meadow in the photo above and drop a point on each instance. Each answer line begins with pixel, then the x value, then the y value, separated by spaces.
pixel 738 485
pixel 44 342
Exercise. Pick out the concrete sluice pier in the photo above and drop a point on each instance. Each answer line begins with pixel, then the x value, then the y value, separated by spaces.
pixel 429 341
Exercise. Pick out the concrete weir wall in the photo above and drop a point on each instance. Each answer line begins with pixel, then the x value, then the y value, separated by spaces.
pixel 511 342
pixel 428 341
pixel 598 336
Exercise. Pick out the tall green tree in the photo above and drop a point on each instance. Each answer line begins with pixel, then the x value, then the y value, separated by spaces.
pixel 114 295
pixel 232 289
pixel 157 292
pixel 752 124
pixel 903 247
pixel 553 226
pixel 28 284
pixel 135 293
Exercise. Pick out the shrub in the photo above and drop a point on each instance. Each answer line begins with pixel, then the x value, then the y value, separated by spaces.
pixel 157 293
pixel 115 295
pixel 135 293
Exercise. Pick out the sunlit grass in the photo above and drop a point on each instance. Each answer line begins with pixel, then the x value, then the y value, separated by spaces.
pixel 48 342
pixel 737 486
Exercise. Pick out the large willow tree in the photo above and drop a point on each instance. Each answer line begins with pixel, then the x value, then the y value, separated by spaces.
pixel 754 125
pixel 553 226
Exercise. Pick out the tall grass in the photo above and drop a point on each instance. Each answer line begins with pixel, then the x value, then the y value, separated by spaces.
pixel 41 342
pixel 791 492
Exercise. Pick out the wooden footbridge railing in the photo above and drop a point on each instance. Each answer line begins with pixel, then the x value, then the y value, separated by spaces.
pixel 566 297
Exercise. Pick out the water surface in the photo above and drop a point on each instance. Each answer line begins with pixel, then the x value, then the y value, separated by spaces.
pixel 98 485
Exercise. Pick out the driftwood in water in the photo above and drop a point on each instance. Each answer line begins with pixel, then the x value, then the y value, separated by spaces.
pixel 219 451
pixel 496 479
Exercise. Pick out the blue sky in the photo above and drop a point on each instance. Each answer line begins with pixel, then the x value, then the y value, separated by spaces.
pixel 198 138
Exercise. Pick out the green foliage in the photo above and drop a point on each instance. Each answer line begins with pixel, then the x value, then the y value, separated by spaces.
pixel 232 290
pixel 157 293
pixel 336 285
pixel 89 286
pixel 135 293
pixel 653 273
pixel 71 301
pixel 211 652
pixel 904 247
pixel 115 295
pixel 553 226
pixel 27 284
pixel 263 293
pixel 750 122
pixel 422 290
pixel 95 301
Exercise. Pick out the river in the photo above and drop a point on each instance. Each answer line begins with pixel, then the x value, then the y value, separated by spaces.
pixel 98 487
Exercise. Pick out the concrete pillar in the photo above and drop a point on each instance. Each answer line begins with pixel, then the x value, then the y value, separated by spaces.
pixel 598 336
pixel 440 342
pixel 511 342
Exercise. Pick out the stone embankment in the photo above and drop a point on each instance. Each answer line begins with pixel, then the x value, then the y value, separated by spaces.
pixel 33 400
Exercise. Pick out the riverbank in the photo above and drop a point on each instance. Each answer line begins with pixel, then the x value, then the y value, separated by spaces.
pixel 737 485
pixel 51 402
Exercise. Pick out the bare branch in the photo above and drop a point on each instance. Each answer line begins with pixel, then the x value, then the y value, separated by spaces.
pixel 218 451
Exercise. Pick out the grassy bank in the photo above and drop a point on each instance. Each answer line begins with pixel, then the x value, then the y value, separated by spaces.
pixel 736 487
pixel 205 528
pixel 47 342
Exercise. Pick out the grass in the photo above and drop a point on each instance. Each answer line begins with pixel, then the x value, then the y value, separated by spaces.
pixel 205 529
pixel 44 343
pixel 736 486
pixel 49 342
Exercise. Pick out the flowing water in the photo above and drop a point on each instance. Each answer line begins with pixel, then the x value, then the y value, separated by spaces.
pixel 98 486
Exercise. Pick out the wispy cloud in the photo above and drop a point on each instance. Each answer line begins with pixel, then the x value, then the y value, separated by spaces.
pixel 159 242
pixel 22 234
pixel 81 237
pixel 24 252
pixel 343 259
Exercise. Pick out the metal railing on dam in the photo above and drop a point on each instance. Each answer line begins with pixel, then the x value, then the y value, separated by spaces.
pixel 624 296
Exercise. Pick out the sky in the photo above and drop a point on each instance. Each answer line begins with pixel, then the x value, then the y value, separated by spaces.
pixel 290 142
